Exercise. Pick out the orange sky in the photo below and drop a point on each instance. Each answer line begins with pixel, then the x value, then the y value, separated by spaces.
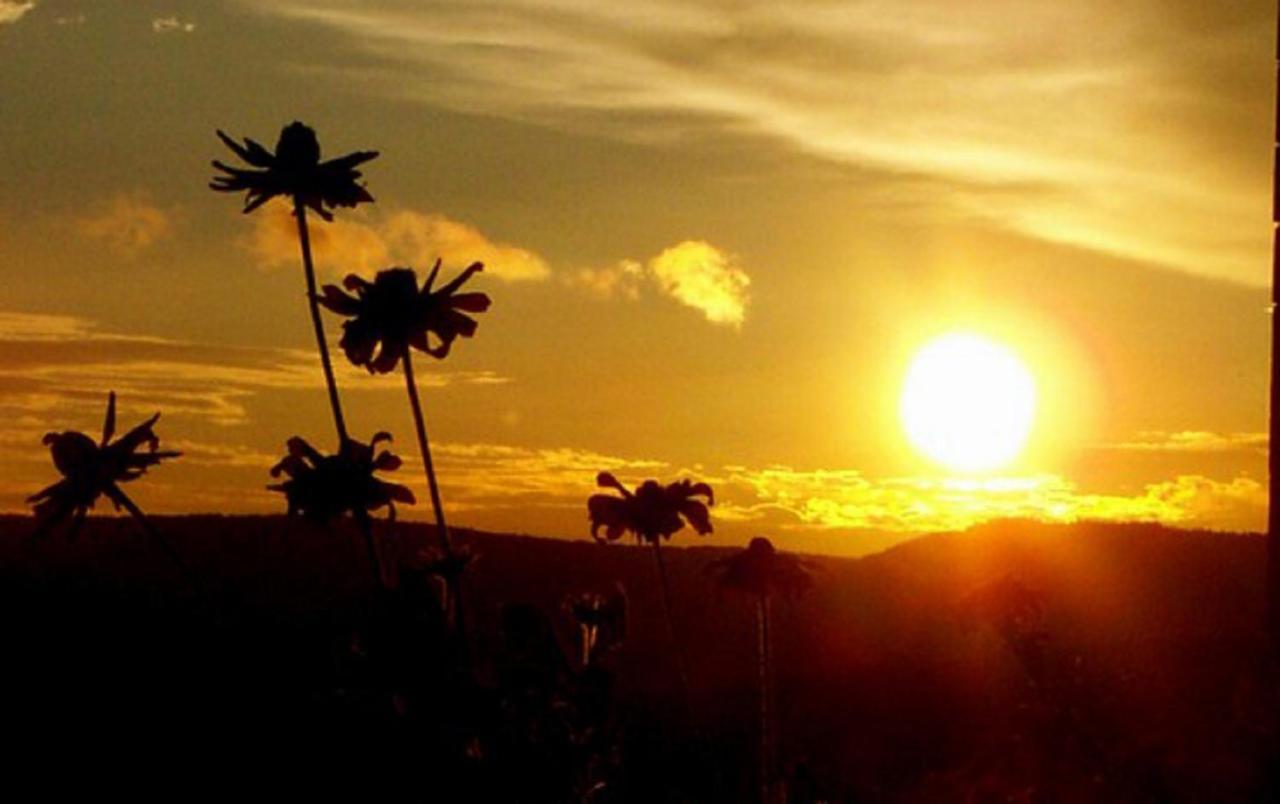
pixel 715 235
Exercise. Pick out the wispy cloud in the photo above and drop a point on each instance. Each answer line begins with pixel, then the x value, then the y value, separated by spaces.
pixel 367 242
pixel 13 10
pixel 129 223
pixel 1117 127
pixel 62 364
pixel 694 273
pixel 1191 441
pixel 171 24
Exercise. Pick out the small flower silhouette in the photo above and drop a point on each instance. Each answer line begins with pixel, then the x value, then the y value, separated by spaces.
pixel 93 469
pixel 323 487
pixel 294 170
pixel 762 571
pixel 601 621
pixel 652 513
pixel 390 314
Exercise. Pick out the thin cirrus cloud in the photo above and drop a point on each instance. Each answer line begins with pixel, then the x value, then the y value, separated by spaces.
pixel 693 273
pixel 1191 441
pixel 62 365
pixel 1127 128
pixel 128 223
pixel 367 242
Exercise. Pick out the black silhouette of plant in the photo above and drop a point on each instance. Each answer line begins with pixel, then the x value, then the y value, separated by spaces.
pixel 324 487
pixel 92 469
pixel 762 572
pixel 387 316
pixel 653 513
pixel 294 170
pixel 601 621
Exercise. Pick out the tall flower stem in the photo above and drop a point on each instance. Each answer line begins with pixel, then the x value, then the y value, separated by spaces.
pixel 682 661
pixel 339 423
pixel 442 528
pixel 1273 450
pixel 304 239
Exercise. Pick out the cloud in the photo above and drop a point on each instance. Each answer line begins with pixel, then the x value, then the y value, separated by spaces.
pixel 164 25
pixel 847 500
pixel 65 365
pixel 13 10
pixel 1124 128
pixel 699 275
pixel 367 242
pixel 694 273
pixel 1191 441
pixel 128 223
pixel 73 19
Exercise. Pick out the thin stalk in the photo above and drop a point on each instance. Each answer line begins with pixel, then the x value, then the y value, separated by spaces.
pixel 150 532
pixel 442 528
pixel 304 239
pixel 682 661
pixel 1273 450
pixel 762 659
pixel 375 564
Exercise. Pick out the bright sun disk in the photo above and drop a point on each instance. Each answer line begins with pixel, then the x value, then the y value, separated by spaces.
pixel 968 403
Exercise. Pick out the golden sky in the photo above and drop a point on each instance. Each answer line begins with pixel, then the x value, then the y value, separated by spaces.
pixel 715 232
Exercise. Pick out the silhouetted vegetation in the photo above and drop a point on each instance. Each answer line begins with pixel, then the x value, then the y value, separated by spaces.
pixel 895 682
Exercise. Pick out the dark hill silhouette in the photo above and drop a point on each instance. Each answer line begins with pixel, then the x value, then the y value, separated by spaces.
pixel 1086 662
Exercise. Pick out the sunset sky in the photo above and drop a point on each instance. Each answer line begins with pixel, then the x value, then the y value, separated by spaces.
pixel 716 234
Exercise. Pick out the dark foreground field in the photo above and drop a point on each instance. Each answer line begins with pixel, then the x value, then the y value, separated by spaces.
pixel 903 676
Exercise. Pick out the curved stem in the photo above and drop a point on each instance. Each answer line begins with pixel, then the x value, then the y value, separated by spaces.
pixel 304 239
pixel 120 498
pixel 442 529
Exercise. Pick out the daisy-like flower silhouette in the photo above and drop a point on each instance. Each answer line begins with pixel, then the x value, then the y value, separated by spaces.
pixel 294 171
pixel 653 513
pixel 762 572
pixel 390 314
pixel 324 487
pixel 385 318
pixel 92 469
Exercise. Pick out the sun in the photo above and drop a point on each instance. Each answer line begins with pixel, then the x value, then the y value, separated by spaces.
pixel 968 403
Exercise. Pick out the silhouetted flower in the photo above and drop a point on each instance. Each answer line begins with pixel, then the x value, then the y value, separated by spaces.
pixel 761 570
pixel 601 620
pixel 390 314
pixel 653 512
pixel 294 170
pixel 322 487
pixel 92 469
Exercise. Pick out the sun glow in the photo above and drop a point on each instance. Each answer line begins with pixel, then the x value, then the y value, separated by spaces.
pixel 968 403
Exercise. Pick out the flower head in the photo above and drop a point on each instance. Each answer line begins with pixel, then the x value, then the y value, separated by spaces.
pixel 390 314
pixel 91 468
pixel 761 570
pixel 653 512
pixel 293 170
pixel 322 487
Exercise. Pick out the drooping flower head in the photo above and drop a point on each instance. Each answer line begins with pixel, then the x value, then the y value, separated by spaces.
pixel 763 571
pixel 322 487
pixel 293 170
pixel 390 314
pixel 603 617
pixel 651 513
pixel 91 469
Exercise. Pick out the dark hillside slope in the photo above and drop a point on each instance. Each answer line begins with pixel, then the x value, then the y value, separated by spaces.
pixel 1092 662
